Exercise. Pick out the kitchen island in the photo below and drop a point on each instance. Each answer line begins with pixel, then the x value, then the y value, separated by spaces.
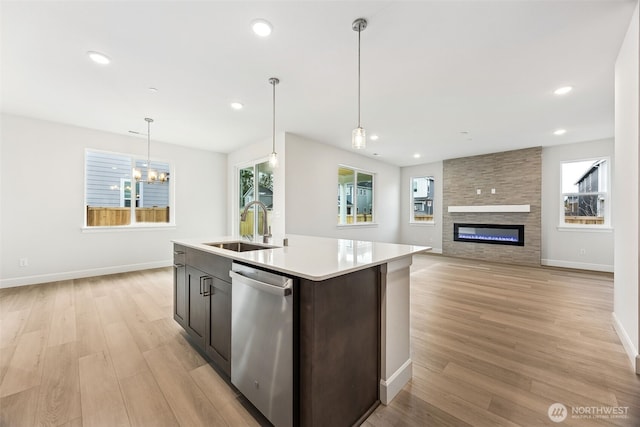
pixel 351 347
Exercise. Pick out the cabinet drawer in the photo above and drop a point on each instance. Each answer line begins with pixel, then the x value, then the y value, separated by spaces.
pixel 212 264
pixel 179 255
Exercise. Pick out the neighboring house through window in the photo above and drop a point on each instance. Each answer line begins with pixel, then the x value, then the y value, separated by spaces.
pixel 422 196
pixel 355 196
pixel 114 198
pixel 585 193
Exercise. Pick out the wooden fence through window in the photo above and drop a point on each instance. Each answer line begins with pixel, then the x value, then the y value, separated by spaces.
pixel 110 216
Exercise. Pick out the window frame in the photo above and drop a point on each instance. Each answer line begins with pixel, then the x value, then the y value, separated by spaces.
pixel 354 213
pixel 412 220
pixel 606 225
pixel 133 225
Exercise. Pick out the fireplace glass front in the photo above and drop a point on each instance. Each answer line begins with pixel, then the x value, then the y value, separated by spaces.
pixel 495 234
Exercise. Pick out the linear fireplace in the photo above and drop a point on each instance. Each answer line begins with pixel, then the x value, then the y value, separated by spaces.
pixel 494 234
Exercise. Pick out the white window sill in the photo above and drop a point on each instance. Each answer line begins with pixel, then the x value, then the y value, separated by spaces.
pixel 423 223
pixel 358 225
pixel 586 228
pixel 119 228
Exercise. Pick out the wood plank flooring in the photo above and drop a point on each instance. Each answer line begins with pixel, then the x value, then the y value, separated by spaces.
pixel 492 345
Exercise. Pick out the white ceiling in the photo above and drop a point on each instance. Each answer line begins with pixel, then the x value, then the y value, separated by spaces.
pixel 430 70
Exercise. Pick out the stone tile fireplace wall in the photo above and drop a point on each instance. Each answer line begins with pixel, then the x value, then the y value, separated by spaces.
pixel 516 177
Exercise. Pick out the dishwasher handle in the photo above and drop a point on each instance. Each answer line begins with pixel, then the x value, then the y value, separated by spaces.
pixel 262 286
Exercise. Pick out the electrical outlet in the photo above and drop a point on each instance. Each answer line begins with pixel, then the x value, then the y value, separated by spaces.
pixel 493 191
pixel 478 191
pixel 583 251
pixel 24 262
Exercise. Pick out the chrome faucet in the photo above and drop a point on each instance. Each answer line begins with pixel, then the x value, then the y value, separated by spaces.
pixel 266 229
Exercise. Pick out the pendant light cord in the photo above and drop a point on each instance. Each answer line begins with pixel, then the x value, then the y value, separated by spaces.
pixel 148 120
pixel 148 147
pixel 358 136
pixel 274 117
pixel 274 81
pixel 359 31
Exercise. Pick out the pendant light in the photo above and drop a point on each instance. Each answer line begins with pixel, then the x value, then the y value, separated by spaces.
pixel 152 174
pixel 359 135
pixel 273 158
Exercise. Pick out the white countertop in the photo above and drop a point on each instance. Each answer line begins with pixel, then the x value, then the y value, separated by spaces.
pixel 313 258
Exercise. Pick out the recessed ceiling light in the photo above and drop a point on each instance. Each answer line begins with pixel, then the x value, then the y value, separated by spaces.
pixel 374 137
pixel 153 89
pixel 416 156
pixel 563 90
pixel 99 58
pixel 560 132
pixel 261 27
pixel 236 106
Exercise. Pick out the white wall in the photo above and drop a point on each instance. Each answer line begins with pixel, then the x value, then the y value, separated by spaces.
pixel 561 247
pixel 42 211
pixel 312 198
pixel 257 153
pixel 625 300
pixel 421 234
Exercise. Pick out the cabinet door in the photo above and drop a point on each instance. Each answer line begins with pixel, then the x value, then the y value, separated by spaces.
pixel 180 294
pixel 196 305
pixel 179 285
pixel 218 342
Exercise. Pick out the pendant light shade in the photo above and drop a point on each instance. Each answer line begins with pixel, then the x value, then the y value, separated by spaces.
pixel 359 135
pixel 359 138
pixel 273 158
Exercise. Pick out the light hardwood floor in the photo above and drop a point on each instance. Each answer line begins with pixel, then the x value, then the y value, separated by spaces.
pixel 492 345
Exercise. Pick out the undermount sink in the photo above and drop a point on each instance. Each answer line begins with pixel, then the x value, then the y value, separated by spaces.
pixel 239 246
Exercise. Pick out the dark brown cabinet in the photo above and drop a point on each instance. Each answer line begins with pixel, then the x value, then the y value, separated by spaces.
pixel 196 305
pixel 179 286
pixel 202 303
pixel 336 335
pixel 339 348
pixel 218 338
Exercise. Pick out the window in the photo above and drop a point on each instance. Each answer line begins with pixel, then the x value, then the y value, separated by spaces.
pixel 355 196
pixel 258 176
pixel 422 199
pixel 585 193
pixel 113 198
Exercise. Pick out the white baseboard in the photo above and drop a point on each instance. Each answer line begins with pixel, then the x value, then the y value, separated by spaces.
pixel 78 274
pixel 391 387
pixel 630 349
pixel 577 265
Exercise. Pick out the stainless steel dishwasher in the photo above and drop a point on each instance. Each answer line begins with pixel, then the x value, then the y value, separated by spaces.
pixel 262 341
